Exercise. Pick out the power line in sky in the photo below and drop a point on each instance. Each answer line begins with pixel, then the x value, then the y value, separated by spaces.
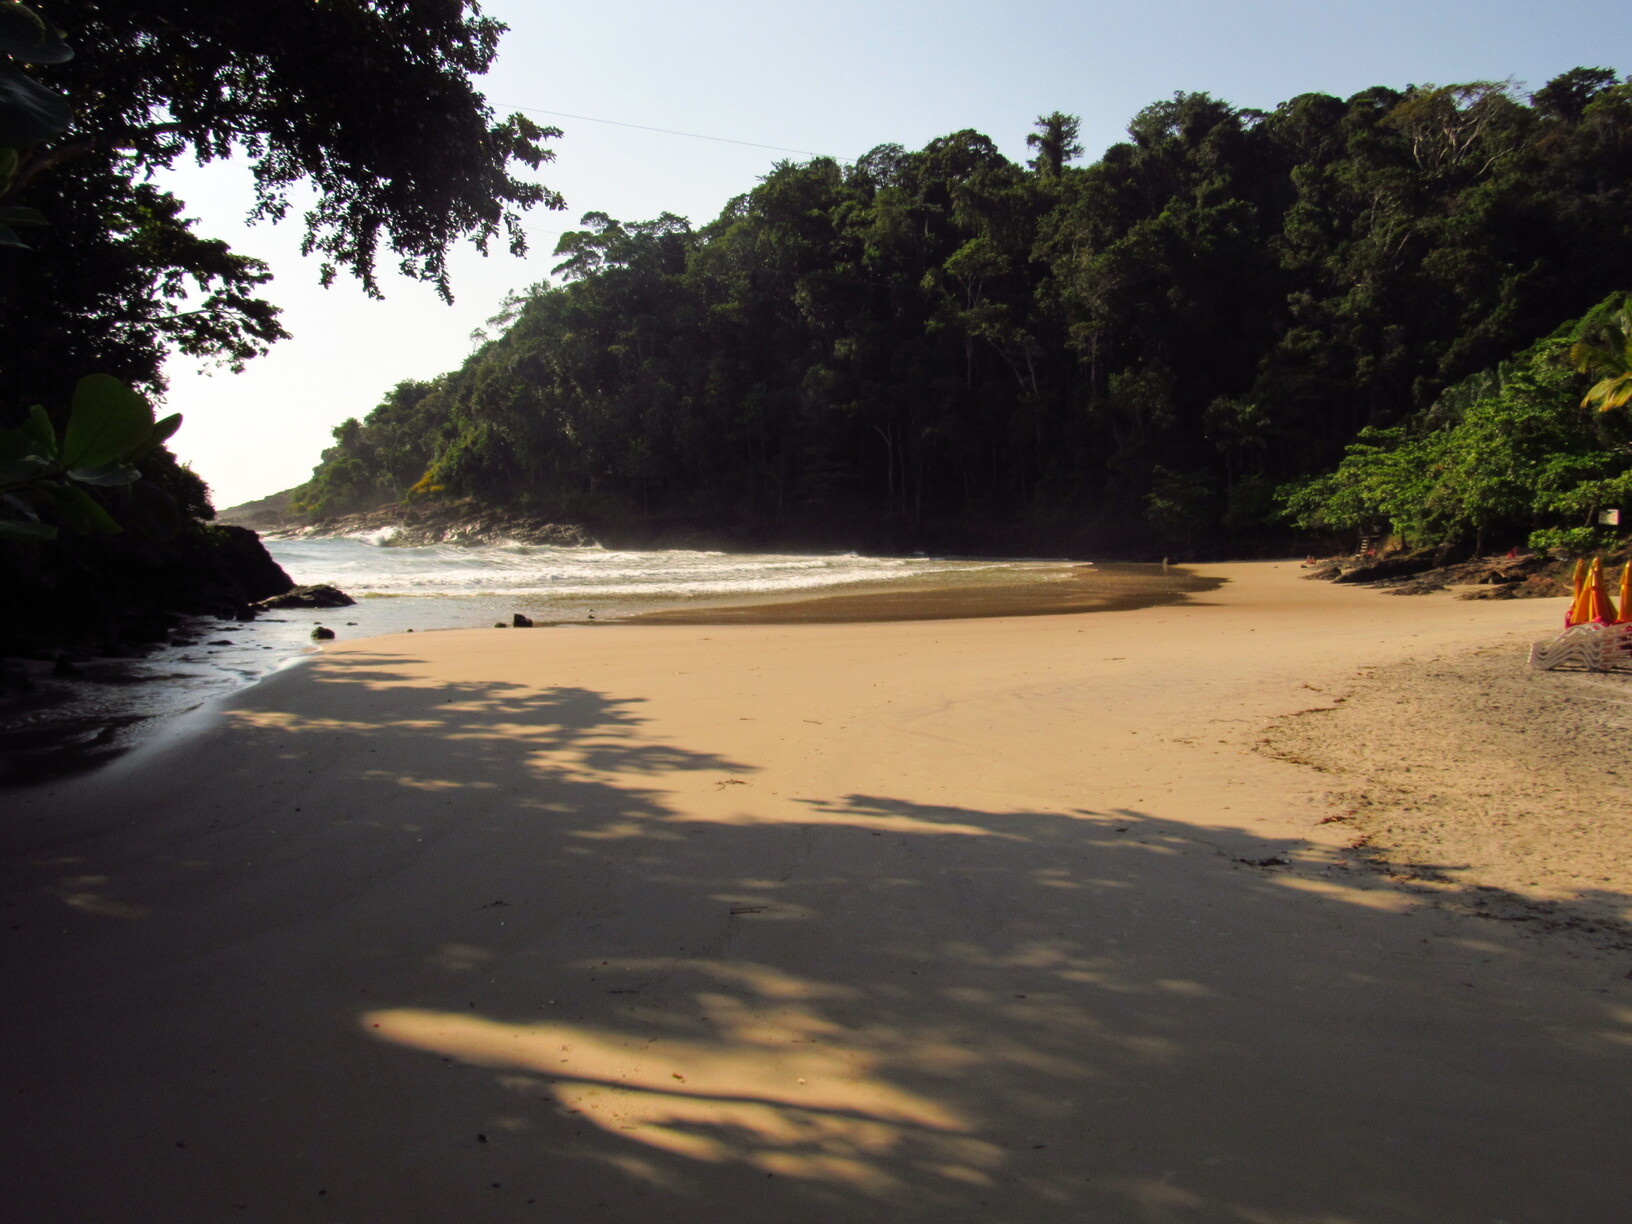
pixel 538 110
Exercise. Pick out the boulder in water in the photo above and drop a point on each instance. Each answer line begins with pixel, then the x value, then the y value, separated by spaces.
pixel 317 595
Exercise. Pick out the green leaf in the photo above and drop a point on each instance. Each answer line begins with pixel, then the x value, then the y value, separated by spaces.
pixel 21 29
pixel 79 509
pixel 39 427
pixel 26 533
pixel 24 34
pixel 18 444
pixel 106 476
pixel 163 428
pixel 29 112
pixel 8 237
pixel 161 431
pixel 108 419
pixel 17 214
pixel 20 471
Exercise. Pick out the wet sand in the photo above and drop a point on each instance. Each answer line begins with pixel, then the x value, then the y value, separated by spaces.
pixel 1083 588
pixel 1007 919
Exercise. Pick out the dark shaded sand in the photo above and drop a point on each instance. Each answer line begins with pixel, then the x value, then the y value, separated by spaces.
pixel 965 920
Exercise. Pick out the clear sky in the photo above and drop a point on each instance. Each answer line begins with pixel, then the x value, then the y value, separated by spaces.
pixel 837 79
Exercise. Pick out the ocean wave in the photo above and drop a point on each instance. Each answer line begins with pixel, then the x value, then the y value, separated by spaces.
pixel 369 564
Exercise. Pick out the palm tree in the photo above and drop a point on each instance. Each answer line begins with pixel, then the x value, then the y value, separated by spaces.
pixel 1605 350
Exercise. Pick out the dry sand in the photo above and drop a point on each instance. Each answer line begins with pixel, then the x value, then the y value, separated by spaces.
pixel 1013 919
pixel 1493 788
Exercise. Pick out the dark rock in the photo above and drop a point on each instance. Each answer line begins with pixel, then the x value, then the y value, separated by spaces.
pixel 94 588
pixel 1403 566
pixel 500 625
pixel 320 634
pixel 249 566
pixel 318 595
pixel 521 622
pixel 139 627
pixel 1543 586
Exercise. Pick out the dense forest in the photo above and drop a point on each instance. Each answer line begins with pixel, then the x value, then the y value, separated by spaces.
pixel 944 348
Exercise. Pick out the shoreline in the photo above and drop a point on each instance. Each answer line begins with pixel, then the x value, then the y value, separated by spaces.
pixel 64 724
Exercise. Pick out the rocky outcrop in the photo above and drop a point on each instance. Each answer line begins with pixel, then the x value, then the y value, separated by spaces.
pixel 247 564
pixel 317 595
pixel 434 522
pixel 129 587
pixel 1532 576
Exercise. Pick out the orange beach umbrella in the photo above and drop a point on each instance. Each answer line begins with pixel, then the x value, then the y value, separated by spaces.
pixel 1577 581
pixel 1591 604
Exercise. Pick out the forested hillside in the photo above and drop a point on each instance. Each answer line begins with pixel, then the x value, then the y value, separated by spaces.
pixel 944 348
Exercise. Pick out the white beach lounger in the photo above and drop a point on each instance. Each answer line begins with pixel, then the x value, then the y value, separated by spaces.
pixel 1593 646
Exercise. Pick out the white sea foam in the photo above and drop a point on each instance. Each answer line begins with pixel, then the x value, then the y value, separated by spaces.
pixel 547 577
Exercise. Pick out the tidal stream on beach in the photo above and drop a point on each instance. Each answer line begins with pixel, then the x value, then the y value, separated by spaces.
pixel 72 722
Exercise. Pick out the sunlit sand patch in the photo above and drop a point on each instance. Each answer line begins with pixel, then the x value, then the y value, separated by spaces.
pixel 639 1168
pixel 460 958
pixel 1156 1200
pixel 277 720
pixel 625 830
pixel 763 908
pixel 867 812
pixel 85 893
pixel 786 1140
pixel 827 1078
pixel 1623 1035
pixel 1366 898
pixel 104 907
pixel 1055 877
pixel 764 980
pixel 837 818
pixel 424 784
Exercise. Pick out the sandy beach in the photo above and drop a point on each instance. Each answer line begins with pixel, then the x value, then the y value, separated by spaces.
pixel 1018 919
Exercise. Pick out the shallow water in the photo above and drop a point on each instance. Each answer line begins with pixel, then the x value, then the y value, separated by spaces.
pixel 465 584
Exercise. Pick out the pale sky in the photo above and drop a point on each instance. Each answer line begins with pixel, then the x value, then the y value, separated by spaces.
pixel 835 79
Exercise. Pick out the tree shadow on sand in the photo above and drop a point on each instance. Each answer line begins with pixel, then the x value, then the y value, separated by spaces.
pixel 545 961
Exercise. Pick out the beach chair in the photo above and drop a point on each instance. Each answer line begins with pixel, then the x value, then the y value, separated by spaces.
pixel 1595 636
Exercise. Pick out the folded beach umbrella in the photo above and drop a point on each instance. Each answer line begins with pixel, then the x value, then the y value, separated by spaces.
pixel 1575 614
pixel 1599 610
pixel 1626 594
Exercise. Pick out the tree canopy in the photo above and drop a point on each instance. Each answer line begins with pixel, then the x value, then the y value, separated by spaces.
pixel 370 103
pixel 942 347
